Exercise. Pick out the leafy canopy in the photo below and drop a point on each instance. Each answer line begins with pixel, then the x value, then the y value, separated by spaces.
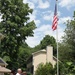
pixel 44 69
pixel 67 46
pixel 16 27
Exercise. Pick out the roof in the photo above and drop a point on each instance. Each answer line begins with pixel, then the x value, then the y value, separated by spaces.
pixel 39 51
pixel 30 57
pixel 42 51
pixel 4 70
pixel 2 62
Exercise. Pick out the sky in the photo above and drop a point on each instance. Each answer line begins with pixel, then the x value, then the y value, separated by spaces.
pixel 43 15
pixel 43 12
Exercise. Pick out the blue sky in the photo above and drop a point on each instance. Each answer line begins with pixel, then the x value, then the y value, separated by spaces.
pixel 43 16
pixel 43 12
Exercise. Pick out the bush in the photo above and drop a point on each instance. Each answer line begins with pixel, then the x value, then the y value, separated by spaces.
pixel 45 69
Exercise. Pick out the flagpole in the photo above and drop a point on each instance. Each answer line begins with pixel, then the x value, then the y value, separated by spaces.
pixel 57 44
pixel 55 27
pixel 57 52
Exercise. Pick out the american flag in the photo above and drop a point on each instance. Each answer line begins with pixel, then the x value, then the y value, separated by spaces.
pixel 55 18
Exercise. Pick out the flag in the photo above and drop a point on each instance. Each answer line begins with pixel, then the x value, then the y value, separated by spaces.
pixel 55 18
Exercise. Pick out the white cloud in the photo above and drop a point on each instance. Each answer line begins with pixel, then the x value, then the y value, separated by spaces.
pixel 60 33
pixel 64 19
pixel 43 5
pixel 47 30
pixel 67 3
pixel 40 32
pixel 0 18
pixel 25 1
pixel 33 41
pixel 48 16
pixel 37 22
pixel 33 17
pixel 38 35
pixel 34 1
pixel 43 28
pixel 31 4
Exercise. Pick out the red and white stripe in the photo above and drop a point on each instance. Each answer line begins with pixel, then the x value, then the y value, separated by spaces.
pixel 55 22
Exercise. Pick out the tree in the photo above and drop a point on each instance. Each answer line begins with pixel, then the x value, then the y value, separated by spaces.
pixel 48 40
pixel 68 43
pixel 44 69
pixel 61 69
pixel 16 27
pixel 64 50
pixel 66 68
pixel 70 68
pixel 70 35
pixel 23 56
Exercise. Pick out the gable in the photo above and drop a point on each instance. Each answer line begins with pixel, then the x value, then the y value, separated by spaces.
pixel 2 62
pixel 39 58
pixel 39 52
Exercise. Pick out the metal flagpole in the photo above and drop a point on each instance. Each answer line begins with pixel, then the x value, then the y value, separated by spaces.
pixel 55 27
pixel 57 52
pixel 57 44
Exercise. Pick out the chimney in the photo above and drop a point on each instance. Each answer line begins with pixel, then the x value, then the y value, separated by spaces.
pixel 49 55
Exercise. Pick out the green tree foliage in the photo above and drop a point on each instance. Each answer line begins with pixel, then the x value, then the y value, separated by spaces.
pixel 45 69
pixel 67 47
pixel 47 40
pixel 64 49
pixel 69 68
pixel 61 69
pixel 24 53
pixel 16 27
